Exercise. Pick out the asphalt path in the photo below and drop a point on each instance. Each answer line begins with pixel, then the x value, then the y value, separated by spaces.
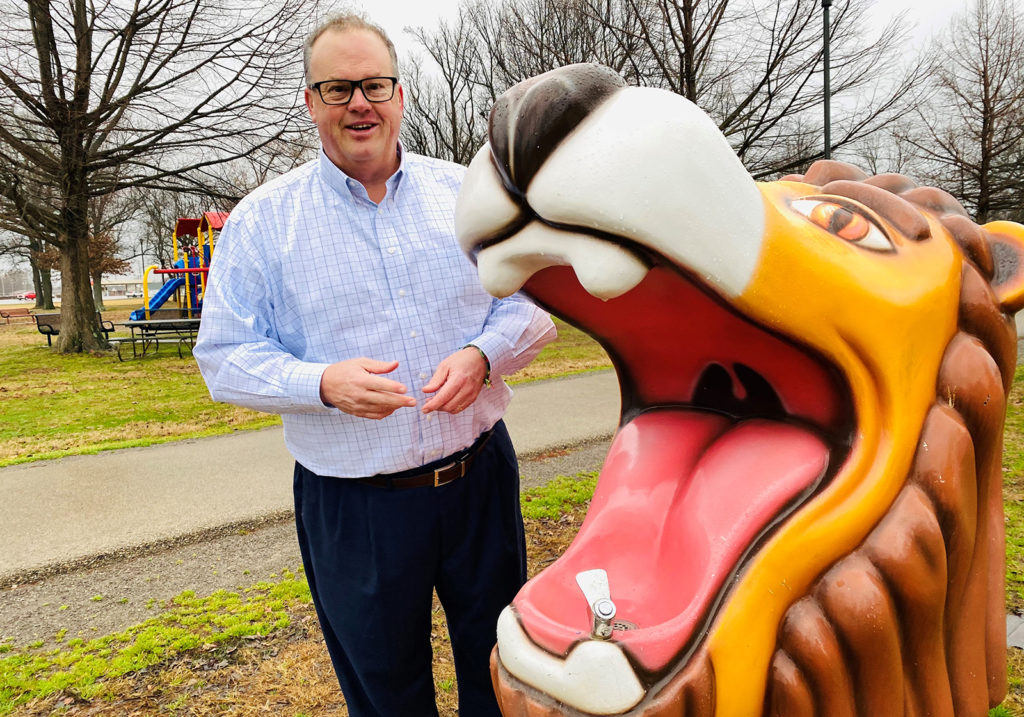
pixel 91 544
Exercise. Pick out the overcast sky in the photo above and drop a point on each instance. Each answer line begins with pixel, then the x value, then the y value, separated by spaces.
pixel 926 15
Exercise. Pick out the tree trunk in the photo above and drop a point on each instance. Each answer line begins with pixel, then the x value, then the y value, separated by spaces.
pixel 42 285
pixel 97 290
pixel 37 285
pixel 44 293
pixel 79 330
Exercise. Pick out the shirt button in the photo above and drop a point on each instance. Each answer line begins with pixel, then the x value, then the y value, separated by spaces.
pixel 391 250
pixel 423 376
pixel 401 292
pixel 412 334
pixel 430 417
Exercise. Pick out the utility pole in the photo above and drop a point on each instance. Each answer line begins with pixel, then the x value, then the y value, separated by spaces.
pixel 825 4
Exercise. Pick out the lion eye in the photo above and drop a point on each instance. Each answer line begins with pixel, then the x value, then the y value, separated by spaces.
pixel 844 222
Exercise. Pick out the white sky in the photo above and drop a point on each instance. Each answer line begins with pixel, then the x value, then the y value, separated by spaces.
pixel 926 16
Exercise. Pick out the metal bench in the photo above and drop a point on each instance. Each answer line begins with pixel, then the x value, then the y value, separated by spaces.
pixel 16 313
pixel 49 325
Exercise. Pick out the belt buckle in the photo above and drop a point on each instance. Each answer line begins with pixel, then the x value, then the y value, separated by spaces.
pixel 438 471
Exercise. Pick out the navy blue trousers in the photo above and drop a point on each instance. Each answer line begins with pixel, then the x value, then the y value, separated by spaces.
pixel 373 557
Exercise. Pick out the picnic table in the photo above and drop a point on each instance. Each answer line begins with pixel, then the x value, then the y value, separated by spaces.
pixel 146 334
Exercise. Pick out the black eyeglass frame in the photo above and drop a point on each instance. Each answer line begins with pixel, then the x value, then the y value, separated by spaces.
pixel 356 85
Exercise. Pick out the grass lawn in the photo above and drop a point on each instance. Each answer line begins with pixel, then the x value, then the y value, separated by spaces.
pixel 54 405
pixel 258 650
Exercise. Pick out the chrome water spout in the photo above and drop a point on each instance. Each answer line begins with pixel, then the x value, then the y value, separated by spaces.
pixel 594 584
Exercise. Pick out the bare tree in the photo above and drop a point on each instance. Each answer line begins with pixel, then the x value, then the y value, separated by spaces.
pixel 970 138
pixel 27 249
pixel 106 95
pixel 489 47
pixel 155 218
pixel 754 65
pixel 443 116
pixel 107 214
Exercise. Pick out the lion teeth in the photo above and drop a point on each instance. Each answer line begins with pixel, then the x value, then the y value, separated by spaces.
pixel 595 676
pixel 606 270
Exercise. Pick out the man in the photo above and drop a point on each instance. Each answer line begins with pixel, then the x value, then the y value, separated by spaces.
pixel 339 298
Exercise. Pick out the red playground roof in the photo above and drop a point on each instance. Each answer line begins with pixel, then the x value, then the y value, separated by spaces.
pixel 186 227
pixel 213 220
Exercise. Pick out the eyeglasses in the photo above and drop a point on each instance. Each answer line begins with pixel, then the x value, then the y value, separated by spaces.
pixel 340 92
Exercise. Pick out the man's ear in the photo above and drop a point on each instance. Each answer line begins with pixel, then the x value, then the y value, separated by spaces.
pixel 1006 242
pixel 308 96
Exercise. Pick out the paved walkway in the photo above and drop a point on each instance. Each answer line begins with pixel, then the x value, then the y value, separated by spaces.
pixel 72 509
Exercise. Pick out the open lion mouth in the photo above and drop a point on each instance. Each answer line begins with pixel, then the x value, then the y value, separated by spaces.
pixel 726 429
pixel 647 242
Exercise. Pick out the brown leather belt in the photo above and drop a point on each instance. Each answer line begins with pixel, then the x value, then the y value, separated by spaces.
pixel 455 467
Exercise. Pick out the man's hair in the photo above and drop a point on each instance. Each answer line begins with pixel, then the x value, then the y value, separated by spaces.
pixel 344 23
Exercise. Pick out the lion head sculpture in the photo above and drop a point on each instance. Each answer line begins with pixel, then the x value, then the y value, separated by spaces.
pixel 801 511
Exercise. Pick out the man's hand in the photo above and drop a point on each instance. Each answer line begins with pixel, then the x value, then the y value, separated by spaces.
pixel 355 387
pixel 457 381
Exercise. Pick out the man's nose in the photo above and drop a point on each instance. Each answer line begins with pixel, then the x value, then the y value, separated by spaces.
pixel 358 100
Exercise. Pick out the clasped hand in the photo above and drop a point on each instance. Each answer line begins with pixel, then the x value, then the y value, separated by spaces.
pixel 359 387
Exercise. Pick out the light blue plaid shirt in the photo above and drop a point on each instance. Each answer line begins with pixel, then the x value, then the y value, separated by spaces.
pixel 309 271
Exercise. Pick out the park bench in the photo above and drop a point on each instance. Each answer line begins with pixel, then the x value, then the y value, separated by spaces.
pixel 49 325
pixel 16 313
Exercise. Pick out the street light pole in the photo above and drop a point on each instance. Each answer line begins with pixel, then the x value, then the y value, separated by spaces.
pixel 828 88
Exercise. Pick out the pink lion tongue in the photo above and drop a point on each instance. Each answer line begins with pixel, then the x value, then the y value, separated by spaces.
pixel 681 498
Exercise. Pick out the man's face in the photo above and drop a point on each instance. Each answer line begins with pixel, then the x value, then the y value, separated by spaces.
pixel 361 137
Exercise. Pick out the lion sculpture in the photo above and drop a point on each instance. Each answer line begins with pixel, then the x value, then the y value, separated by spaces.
pixel 801 511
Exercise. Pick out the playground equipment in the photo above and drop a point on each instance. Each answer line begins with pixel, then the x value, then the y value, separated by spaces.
pixel 193 246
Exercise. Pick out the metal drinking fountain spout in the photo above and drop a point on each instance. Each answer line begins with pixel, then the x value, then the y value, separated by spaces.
pixel 594 584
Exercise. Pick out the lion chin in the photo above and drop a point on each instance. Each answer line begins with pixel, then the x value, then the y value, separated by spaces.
pixel 800 513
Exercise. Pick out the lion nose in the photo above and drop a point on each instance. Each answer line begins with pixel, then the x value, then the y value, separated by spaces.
pixel 531 119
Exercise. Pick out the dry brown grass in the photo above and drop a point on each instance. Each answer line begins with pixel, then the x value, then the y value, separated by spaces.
pixel 287 673
pixel 1014 702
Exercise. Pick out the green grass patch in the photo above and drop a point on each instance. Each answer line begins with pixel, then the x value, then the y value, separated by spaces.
pixel 59 405
pixel 558 496
pixel 188 623
pixel 55 405
pixel 1013 494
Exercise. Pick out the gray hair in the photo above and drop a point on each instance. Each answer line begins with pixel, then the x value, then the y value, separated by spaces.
pixel 344 23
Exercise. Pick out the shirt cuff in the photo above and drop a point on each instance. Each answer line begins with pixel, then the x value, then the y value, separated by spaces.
pixel 494 346
pixel 304 384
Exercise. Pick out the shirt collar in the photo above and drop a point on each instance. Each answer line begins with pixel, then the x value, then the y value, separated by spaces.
pixel 350 188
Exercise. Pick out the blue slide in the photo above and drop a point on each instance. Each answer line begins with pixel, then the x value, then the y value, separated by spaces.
pixel 166 291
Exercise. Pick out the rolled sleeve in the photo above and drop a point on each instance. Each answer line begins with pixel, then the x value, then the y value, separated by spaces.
pixel 515 332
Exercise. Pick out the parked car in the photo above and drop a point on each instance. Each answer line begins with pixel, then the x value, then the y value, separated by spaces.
pixel 29 295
